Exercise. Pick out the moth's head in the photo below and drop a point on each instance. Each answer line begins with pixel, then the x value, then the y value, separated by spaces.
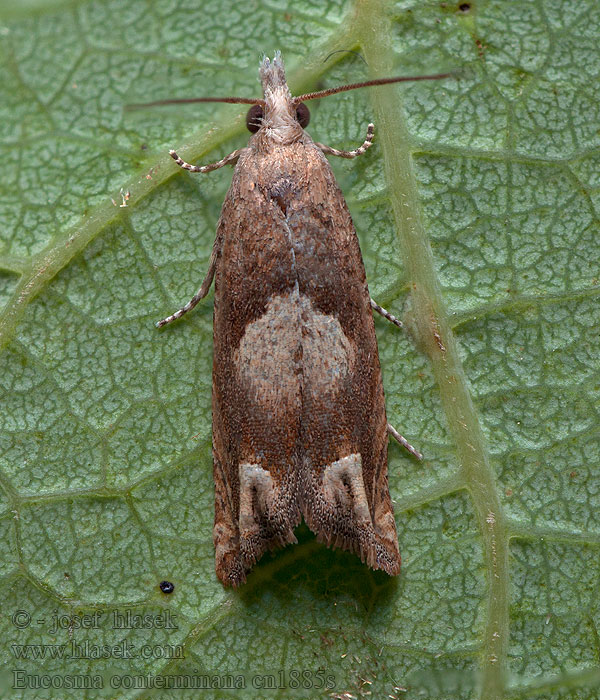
pixel 281 118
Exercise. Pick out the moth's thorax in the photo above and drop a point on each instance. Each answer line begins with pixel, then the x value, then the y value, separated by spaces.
pixel 279 123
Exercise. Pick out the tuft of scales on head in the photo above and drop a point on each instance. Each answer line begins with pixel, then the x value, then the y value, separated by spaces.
pixel 279 121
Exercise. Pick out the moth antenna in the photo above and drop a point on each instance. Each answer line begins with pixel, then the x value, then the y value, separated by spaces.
pixel 296 100
pixel 368 83
pixel 192 100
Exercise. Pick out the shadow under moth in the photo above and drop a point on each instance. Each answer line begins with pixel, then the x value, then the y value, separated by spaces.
pixel 299 421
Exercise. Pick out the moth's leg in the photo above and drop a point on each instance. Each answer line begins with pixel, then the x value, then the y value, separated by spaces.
pixel 350 154
pixel 404 442
pixel 391 430
pixel 231 159
pixel 200 294
pixel 386 314
pixel 205 286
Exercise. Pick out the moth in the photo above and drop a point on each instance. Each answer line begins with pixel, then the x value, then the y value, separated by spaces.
pixel 299 420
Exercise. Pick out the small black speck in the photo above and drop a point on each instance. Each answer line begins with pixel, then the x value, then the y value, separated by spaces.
pixel 166 587
pixel 144 146
pixel 464 6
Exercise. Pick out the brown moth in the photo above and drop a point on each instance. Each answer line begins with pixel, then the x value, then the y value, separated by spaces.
pixel 299 421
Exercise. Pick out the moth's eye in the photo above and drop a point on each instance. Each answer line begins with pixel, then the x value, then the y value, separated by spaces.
pixel 254 118
pixel 302 115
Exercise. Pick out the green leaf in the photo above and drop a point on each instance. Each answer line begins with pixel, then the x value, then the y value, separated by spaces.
pixel 477 215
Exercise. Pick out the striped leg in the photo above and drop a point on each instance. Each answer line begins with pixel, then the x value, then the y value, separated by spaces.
pixel 200 294
pixel 205 286
pixel 391 430
pixel 404 442
pixel 230 159
pixel 350 154
pixel 386 314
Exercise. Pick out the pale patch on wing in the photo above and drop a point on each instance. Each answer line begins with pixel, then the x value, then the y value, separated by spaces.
pixel 343 485
pixel 292 349
pixel 268 513
pixel 328 355
pixel 256 484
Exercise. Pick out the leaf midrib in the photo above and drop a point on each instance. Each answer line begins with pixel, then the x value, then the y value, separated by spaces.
pixel 436 337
